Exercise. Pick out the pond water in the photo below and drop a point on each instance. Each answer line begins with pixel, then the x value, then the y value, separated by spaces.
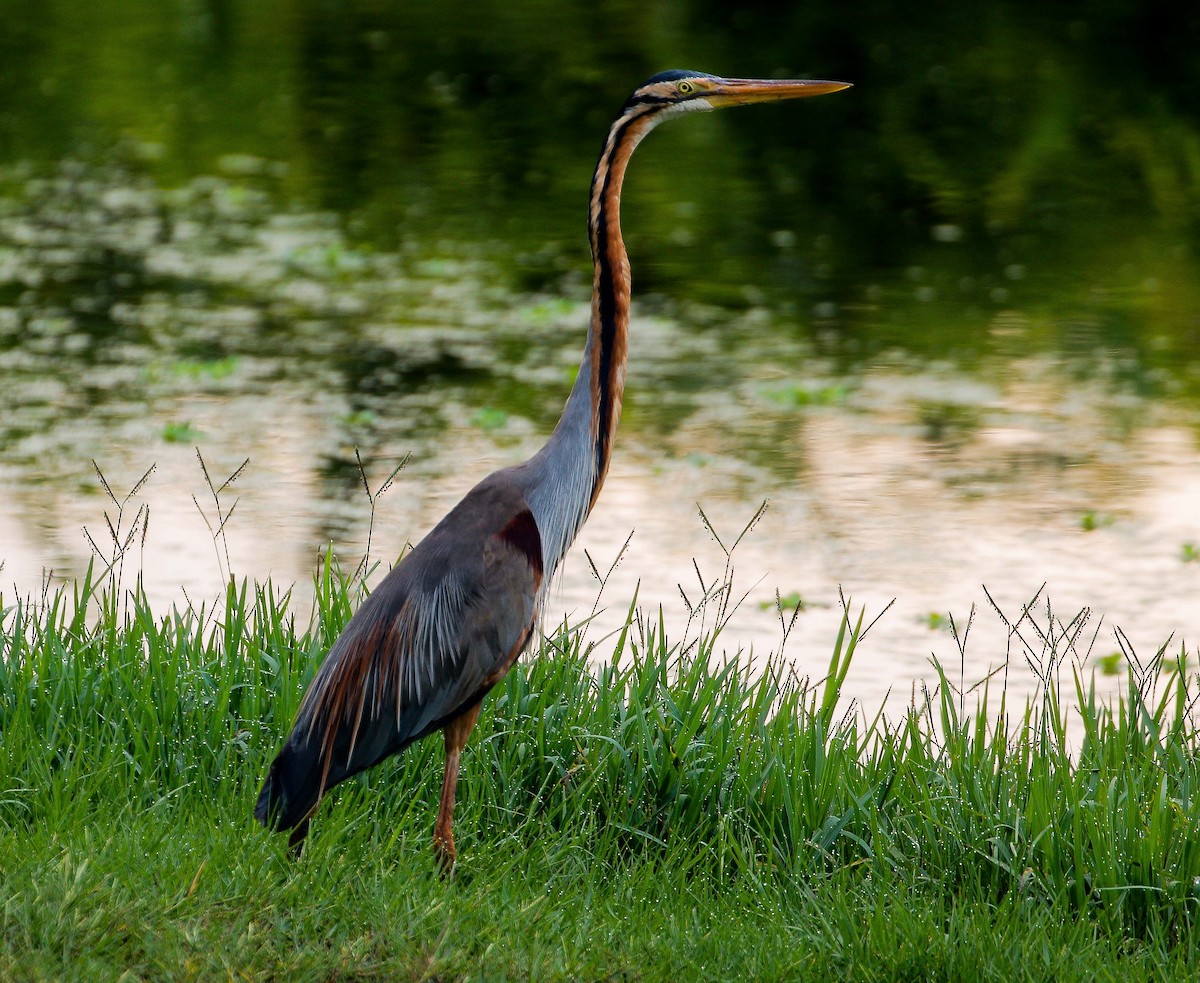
pixel 994 394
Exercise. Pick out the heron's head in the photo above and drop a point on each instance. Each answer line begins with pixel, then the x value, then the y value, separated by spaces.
pixel 679 91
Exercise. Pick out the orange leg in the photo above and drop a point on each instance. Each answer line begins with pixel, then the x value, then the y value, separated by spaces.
pixel 456 733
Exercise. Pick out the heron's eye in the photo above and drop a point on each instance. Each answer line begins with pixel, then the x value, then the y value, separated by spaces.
pixel 685 88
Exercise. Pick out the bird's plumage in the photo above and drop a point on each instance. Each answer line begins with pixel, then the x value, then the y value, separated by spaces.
pixel 438 632
pixel 452 617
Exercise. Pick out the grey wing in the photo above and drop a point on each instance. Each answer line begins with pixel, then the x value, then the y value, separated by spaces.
pixel 443 627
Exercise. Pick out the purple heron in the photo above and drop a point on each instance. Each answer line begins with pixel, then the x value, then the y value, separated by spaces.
pixel 447 623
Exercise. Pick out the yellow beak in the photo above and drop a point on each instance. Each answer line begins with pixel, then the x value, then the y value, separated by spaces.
pixel 740 92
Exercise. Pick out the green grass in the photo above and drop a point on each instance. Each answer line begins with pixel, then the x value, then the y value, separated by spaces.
pixel 642 811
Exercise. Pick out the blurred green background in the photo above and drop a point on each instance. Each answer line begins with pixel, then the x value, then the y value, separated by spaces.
pixel 1045 154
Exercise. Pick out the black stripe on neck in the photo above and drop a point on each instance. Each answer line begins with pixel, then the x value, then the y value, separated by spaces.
pixel 606 300
pixel 648 99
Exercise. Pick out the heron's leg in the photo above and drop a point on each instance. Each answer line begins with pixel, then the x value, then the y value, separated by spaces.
pixel 456 733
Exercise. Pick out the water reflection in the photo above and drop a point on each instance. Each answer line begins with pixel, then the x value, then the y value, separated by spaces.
pixel 891 477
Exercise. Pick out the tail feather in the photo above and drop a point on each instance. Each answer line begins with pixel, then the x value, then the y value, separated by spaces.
pixel 291 790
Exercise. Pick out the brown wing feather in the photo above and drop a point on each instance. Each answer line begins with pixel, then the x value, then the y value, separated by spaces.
pixel 440 630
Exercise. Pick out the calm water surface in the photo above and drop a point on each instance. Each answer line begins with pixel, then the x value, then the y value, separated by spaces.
pixel 291 259
pixel 897 478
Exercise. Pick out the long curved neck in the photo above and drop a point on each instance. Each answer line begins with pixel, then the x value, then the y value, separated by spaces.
pixel 565 477
pixel 608 333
